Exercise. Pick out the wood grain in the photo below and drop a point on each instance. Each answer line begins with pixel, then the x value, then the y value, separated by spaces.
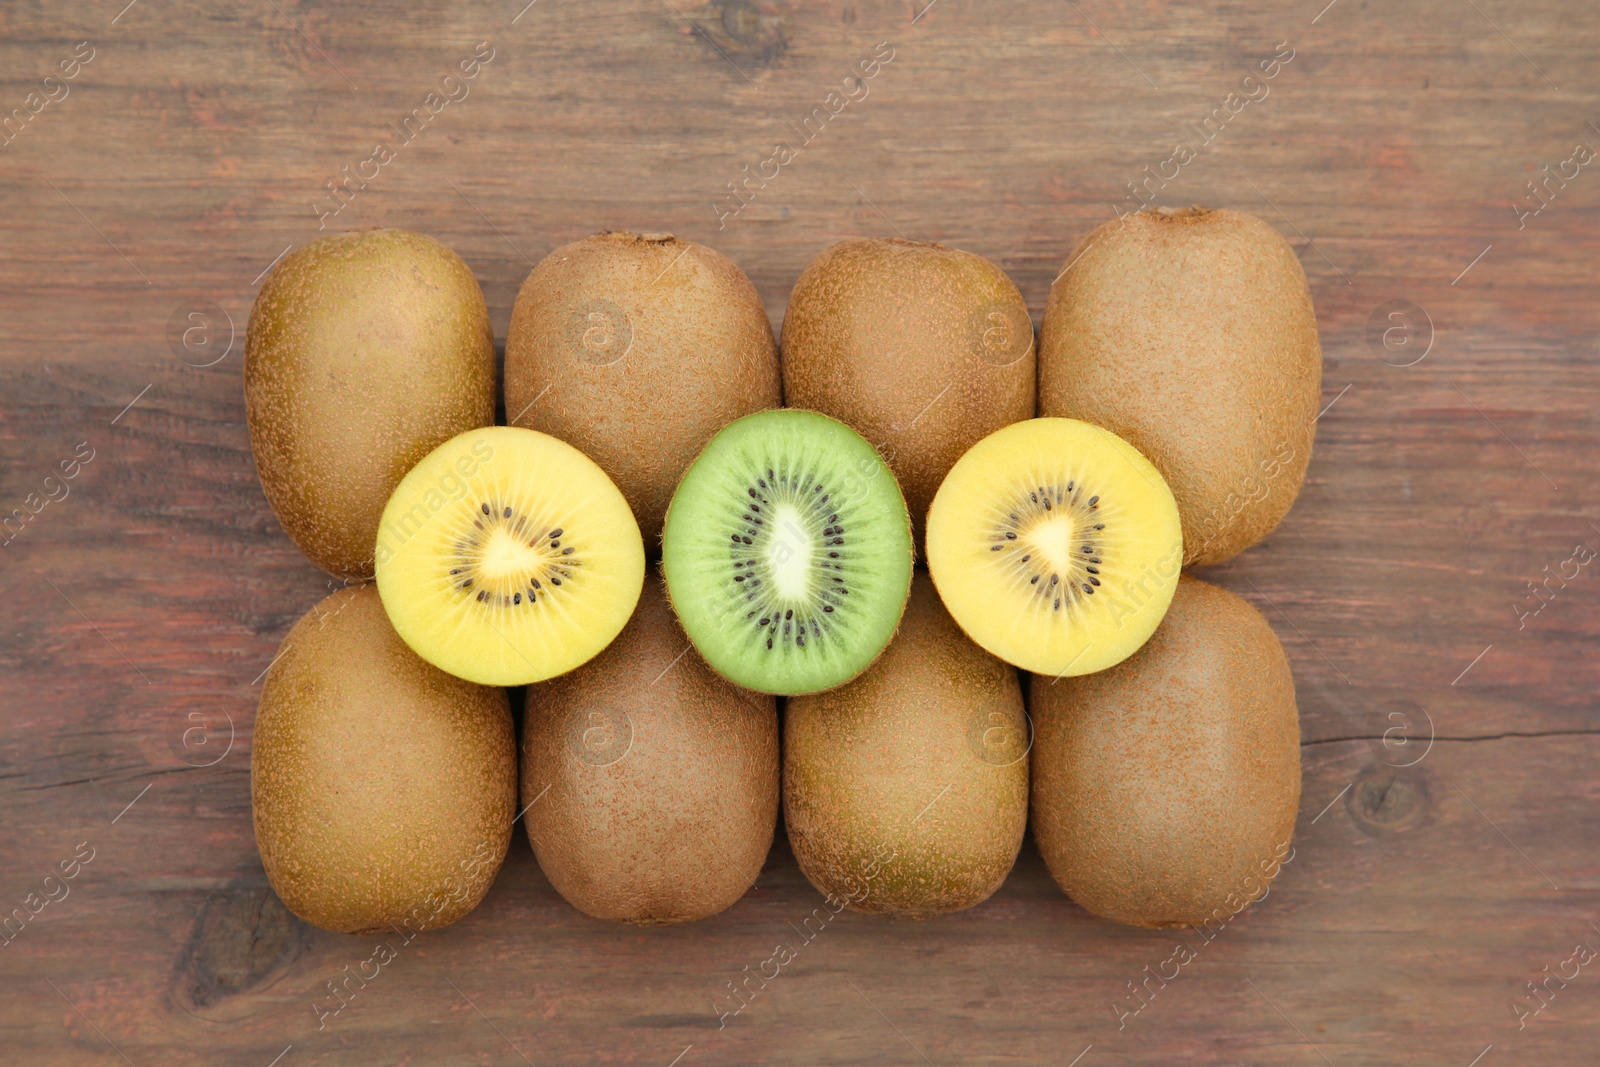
pixel 189 152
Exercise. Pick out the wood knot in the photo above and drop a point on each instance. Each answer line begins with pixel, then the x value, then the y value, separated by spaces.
pixel 1386 801
pixel 750 30
pixel 242 935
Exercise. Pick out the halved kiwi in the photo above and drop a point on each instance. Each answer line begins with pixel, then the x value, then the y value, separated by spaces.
pixel 507 557
pixel 1055 545
pixel 787 552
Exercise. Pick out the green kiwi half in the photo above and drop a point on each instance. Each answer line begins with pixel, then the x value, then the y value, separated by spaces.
pixel 787 552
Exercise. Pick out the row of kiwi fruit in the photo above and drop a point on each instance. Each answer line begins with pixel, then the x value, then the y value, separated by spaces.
pixel 1051 659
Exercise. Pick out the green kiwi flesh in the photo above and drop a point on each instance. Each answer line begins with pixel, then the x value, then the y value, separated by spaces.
pixel 906 790
pixel 382 787
pixel 1165 789
pixel 787 552
pixel 651 783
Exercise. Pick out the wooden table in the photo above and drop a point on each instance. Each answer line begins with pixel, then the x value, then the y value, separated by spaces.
pixel 1436 872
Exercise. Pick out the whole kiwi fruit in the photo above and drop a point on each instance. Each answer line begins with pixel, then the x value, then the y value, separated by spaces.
pixel 1191 335
pixel 924 349
pixel 1165 788
pixel 382 787
pixel 905 791
pixel 650 782
pixel 364 352
pixel 636 348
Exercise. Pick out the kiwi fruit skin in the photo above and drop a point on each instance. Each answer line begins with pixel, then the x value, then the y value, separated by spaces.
pixel 652 782
pixel 905 791
pixel 364 351
pixel 637 348
pixel 1165 789
pixel 1192 335
pixel 382 787
pixel 924 349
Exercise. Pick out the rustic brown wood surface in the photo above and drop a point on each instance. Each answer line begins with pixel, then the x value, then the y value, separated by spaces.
pixel 1439 866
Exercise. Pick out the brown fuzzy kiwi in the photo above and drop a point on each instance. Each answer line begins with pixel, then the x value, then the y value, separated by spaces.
pixel 1191 334
pixel 906 790
pixel 365 351
pixel 1165 789
pixel 382 787
pixel 651 783
pixel 636 348
pixel 924 350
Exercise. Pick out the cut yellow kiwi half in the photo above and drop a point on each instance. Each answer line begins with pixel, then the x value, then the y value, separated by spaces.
pixel 1056 546
pixel 507 557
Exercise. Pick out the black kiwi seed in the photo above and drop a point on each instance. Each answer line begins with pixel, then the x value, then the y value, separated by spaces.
pixel 485 508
